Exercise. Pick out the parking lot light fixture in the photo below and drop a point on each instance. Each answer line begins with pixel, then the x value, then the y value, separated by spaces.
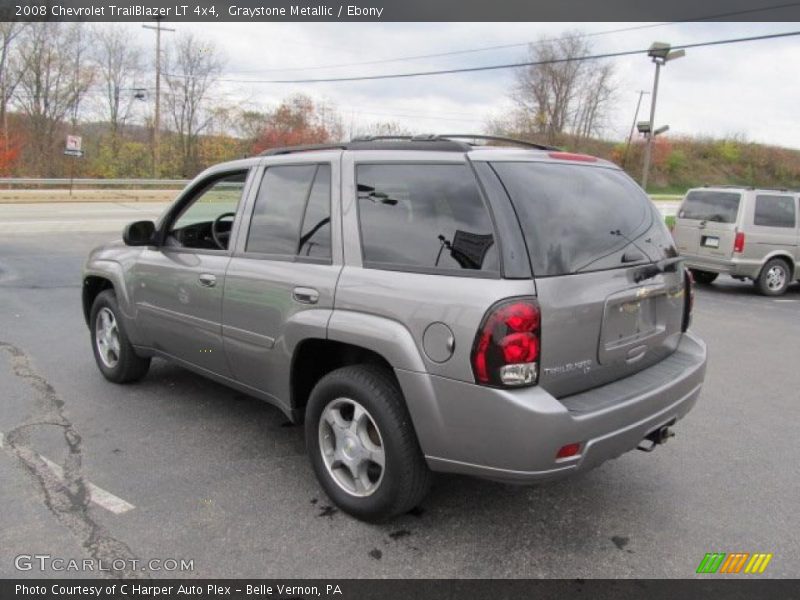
pixel 660 53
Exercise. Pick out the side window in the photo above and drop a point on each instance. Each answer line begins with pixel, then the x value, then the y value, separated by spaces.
pixel 278 211
pixel 315 235
pixel 424 216
pixel 775 211
pixel 206 221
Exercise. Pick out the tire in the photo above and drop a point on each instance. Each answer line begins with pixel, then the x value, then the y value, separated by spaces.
pixel 120 364
pixel 774 278
pixel 404 479
pixel 704 277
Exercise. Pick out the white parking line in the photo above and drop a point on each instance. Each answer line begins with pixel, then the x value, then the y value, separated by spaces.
pixel 98 495
pixel 784 300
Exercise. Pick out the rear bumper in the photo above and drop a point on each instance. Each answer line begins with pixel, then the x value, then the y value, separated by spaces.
pixel 514 435
pixel 738 267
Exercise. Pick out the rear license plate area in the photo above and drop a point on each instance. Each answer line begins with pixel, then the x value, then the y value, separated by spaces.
pixel 710 241
pixel 629 320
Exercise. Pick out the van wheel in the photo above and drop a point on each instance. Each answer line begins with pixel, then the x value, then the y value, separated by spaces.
pixel 362 444
pixel 774 278
pixel 704 277
pixel 114 354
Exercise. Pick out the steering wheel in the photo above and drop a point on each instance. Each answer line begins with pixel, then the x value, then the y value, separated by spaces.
pixel 221 238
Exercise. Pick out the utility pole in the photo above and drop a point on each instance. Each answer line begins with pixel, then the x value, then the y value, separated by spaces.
pixel 633 127
pixel 157 119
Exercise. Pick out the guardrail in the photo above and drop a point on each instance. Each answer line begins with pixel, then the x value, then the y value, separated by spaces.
pixel 32 182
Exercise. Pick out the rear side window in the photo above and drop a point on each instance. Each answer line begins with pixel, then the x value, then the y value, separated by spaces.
pixel 315 236
pixel 707 205
pixel 575 218
pixel 424 217
pixel 292 212
pixel 774 211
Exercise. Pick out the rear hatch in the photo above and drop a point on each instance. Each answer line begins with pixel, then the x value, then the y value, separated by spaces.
pixel 591 234
pixel 705 225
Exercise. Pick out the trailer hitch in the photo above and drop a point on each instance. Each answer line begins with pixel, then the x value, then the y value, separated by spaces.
pixel 656 438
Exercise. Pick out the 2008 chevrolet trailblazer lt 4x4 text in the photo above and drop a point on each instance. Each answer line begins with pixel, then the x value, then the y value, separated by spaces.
pixel 423 304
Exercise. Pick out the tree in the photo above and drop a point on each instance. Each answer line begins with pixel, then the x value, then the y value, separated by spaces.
pixel 9 75
pixel 53 79
pixel 192 68
pixel 297 120
pixel 557 97
pixel 118 62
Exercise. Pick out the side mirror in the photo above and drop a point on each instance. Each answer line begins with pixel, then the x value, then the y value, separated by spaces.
pixel 139 233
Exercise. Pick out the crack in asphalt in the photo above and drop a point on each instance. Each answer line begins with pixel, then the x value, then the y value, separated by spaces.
pixel 69 500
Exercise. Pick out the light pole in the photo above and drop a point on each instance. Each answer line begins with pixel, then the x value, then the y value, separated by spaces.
pixel 633 127
pixel 661 54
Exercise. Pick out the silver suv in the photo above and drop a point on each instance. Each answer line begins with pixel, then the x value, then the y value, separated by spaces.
pixel 423 304
pixel 745 232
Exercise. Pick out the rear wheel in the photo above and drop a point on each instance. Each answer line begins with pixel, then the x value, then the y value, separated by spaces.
pixel 113 352
pixel 704 277
pixel 774 278
pixel 362 444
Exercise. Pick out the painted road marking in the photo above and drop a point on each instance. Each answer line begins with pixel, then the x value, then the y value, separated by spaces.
pixel 98 495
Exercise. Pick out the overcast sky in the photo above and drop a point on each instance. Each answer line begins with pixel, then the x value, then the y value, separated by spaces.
pixel 748 89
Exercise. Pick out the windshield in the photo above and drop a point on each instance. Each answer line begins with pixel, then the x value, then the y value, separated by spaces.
pixel 706 205
pixel 575 218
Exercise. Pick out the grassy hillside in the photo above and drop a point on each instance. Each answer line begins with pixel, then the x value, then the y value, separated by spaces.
pixel 679 163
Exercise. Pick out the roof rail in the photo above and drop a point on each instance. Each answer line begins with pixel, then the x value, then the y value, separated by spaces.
pixel 445 143
pixel 750 187
pixel 498 138
pixel 438 137
pixel 302 148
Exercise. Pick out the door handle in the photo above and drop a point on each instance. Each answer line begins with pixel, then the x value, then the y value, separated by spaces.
pixel 305 295
pixel 207 279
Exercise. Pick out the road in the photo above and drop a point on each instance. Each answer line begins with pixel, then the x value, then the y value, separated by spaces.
pixel 177 467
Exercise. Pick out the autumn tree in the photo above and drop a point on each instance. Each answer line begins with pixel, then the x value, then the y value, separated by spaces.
pixel 192 67
pixel 298 120
pixel 119 68
pixel 9 78
pixel 560 95
pixel 53 79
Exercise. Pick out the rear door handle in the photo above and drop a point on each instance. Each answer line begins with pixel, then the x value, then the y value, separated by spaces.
pixel 207 279
pixel 305 295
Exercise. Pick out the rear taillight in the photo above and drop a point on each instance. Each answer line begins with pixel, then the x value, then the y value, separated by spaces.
pixel 688 299
pixel 506 348
pixel 738 242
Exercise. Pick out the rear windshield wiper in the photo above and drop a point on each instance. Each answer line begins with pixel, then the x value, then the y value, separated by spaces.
pixel 661 266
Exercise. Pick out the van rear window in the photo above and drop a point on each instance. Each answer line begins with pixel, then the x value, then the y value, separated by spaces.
pixel 576 218
pixel 707 205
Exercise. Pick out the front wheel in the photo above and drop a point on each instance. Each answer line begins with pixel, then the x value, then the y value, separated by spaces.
pixel 362 444
pixel 113 352
pixel 704 277
pixel 774 278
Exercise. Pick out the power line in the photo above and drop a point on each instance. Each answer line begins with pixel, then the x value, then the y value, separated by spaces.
pixel 454 52
pixel 513 65
pixel 518 44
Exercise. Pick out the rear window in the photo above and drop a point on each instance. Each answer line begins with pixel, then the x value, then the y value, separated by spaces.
pixel 575 218
pixel 706 205
pixel 774 211
pixel 424 218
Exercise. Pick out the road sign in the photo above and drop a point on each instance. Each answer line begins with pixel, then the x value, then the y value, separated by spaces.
pixel 73 143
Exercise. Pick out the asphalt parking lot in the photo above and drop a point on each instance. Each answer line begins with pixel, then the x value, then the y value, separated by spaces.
pixel 195 471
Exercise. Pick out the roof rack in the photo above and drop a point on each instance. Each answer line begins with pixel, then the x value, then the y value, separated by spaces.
pixel 749 187
pixel 444 143
pixel 498 138
pixel 440 137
